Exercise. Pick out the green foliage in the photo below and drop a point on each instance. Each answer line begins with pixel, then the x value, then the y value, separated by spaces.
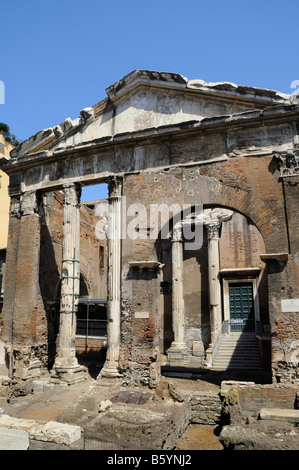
pixel 4 127
pixel 12 138
pixel 8 136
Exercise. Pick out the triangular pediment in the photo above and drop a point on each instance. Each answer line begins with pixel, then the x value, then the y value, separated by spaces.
pixel 150 100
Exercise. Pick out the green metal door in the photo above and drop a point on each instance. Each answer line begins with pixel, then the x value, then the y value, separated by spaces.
pixel 241 306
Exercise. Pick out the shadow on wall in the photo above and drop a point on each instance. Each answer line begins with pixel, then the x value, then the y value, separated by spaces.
pixel 49 279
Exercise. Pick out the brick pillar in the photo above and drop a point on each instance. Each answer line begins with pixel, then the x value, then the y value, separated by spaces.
pixel 283 278
pixel 66 367
pixel 11 268
pixel 25 328
pixel 291 200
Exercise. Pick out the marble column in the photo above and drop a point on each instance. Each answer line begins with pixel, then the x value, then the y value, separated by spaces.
pixel 66 367
pixel 213 219
pixel 178 350
pixel 110 369
pixel 214 281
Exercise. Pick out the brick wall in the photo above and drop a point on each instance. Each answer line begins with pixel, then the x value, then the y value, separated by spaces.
pixel 205 408
pixel 33 267
pixel 243 184
pixel 255 397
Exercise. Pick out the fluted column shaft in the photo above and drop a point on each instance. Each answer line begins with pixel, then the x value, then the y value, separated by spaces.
pixel 110 369
pixel 178 351
pixel 213 218
pixel 214 281
pixel 66 365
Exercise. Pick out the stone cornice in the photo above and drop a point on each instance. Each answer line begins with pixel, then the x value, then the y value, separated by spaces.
pixel 150 265
pixel 281 257
pixel 174 80
pixel 207 125
pixel 46 137
pixel 262 104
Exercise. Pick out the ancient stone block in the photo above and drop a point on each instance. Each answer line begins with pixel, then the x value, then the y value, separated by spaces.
pixel 13 439
pixel 280 414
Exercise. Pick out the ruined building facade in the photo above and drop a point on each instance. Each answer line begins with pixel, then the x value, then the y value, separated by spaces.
pixel 222 160
pixel 5 147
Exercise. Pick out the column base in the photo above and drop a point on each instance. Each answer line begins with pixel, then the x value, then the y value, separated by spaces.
pixel 109 372
pixel 68 373
pixel 179 353
pixel 22 361
pixel 31 372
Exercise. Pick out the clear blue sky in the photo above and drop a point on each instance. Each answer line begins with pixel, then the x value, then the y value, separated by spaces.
pixel 58 57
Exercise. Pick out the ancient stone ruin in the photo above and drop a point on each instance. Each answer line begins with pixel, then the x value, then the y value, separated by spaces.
pixel 196 247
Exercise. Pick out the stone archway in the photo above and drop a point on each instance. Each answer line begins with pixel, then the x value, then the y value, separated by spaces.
pixel 212 220
pixel 258 211
pixel 219 247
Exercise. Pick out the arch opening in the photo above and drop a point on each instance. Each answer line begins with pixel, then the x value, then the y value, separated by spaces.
pixel 241 270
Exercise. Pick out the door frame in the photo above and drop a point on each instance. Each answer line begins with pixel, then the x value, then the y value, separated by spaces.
pixel 237 280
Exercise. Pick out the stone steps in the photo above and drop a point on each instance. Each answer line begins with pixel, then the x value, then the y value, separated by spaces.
pixel 238 351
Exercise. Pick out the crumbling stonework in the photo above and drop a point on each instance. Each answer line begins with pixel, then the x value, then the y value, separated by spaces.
pixel 161 139
pixel 206 408
pixel 259 417
pixel 26 362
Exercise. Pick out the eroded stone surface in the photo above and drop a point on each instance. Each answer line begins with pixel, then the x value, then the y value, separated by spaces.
pixel 147 427
pixel 59 433
pixel 259 438
pixel 279 414
pixel 13 439
pixel 164 140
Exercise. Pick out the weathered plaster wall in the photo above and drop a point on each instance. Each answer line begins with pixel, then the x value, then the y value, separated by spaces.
pixel 240 244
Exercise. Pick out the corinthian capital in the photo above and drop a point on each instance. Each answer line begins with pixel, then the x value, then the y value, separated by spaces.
pixel 177 234
pixel 115 187
pixel 72 193
pixel 213 230
pixel 288 162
